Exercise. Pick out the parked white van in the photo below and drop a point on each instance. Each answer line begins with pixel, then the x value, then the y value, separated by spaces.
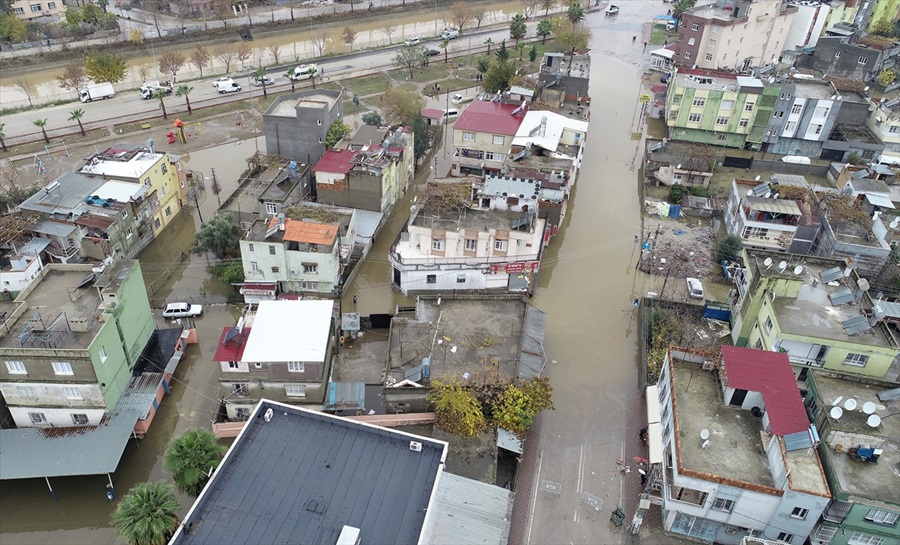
pixel 449 115
pixel 226 86
pixel 450 34
pixel 182 310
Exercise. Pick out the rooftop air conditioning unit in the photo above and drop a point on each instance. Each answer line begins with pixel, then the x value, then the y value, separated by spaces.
pixel 415 446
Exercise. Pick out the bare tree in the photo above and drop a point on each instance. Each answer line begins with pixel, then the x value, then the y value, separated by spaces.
pixel 200 58
pixel 547 5
pixel 348 36
pixel 226 55
pixel 243 53
pixel 478 14
pixel 390 30
pixel 143 72
pixel 460 14
pixel 318 41
pixel 531 7
pixel 25 85
pixel 73 77
pixel 275 51
pixel 171 61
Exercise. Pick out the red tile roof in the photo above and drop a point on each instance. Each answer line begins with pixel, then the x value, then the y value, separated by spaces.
pixel 335 161
pixel 492 117
pixel 432 113
pixel 770 374
pixel 233 350
pixel 310 232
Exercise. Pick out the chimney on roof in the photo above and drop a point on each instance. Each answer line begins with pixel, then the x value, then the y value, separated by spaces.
pixel 281 221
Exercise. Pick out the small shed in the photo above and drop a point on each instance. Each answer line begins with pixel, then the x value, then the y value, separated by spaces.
pixel 432 115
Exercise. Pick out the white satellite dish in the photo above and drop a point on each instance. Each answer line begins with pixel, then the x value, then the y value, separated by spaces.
pixel 768 262
pixel 873 421
pixel 798 269
pixel 704 434
pixel 895 223
pixel 782 266
pixel 757 178
pixel 836 413
pixel 850 404
pixel 869 407
pixel 837 401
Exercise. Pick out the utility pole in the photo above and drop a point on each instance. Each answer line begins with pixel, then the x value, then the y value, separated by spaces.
pixel 197 203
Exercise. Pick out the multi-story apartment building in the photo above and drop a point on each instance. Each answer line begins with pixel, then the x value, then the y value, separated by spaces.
pixel 860 449
pixel 815 311
pixel 763 221
pixel 69 346
pixel 448 245
pixel 738 450
pixel 281 350
pixel 296 123
pixel 483 135
pixel 32 9
pixel 733 34
pixel 718 108
pixel 884 122
pixel 842 57
pixel 142 165
pixel 807 25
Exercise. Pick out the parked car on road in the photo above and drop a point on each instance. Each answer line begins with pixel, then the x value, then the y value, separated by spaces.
pixel 182 310
pixel 413 41
pixel 304 71
pixel 265 79
pixel 612 10
pixel 450 34
pixel 460 99
pixel 433 52
pixel 227 86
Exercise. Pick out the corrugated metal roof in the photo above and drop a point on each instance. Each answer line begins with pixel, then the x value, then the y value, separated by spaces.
pixel 53 228
pixel 28 453
pixel 891 309
pixel 531 353
pixel 367 222
pixel 775 206
pixel 468 512
pixel 139 395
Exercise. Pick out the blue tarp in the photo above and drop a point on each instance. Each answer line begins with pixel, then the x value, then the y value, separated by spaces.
pixel 675 211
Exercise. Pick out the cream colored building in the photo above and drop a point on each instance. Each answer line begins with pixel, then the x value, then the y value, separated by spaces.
pixel 884 121
pixel 32 9
pixel 483 135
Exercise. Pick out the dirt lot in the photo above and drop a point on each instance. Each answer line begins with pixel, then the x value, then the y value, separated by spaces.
pixel 679 247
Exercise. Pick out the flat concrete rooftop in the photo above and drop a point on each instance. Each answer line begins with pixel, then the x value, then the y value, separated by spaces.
pixel 287 107
pixel 806 472
pixel 483 332
pixel 55 295
pixel 735 448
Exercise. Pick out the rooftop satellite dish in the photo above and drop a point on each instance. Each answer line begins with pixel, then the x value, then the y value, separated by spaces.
pixel 768 262
pixel 757 178
pixel 837 401
pixel 863 284
pixel 798 269
pixel 850 404
pixel 866 88
pixel 869 407
pixel 873 421
pixel 836 413
pixel 895 223
pixel 782 266
pixel 679 165
pixel 704 434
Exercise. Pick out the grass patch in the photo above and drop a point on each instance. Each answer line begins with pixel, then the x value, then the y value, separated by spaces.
pixel 455 84
pixel 367 85
pixel 434 71
pixel 350 108
pixel 74 139
pixel 658 35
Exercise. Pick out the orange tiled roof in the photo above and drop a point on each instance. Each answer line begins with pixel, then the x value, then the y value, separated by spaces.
pixel 307 231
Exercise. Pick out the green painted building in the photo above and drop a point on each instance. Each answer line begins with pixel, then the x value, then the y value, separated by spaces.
pixel 69 347
pixel 718 108
pixel 808 308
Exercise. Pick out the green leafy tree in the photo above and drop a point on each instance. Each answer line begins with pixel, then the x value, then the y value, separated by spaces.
pixel 519 404
pixel 13 29
pixel 184 90
pixel 161 95
pixel 575 13
pixel 729 248
pixel 456 408
pixel 102 66
pixel 886 77
pixel 410 58
pixel 498 77
pixel 483 64
pixel 2 136
pixel 489 42
pixel 190 456
pixel 423 136
pixel 336 132
pixel 544 29
pixel 444 45
pixel 401 105
pixel 313 74
pixel 517 27
pixel 532 53
pixel 682 6
pixel 521 47
pixel 233 273
pixel 676 193
pixel 573 38
pixel 290 76
pixel 882 27
pixel 147 515
pixel 42 123
pixel 220 236
pixel 502 52
pixel 258 75
pixel 76 115
pixel 372 118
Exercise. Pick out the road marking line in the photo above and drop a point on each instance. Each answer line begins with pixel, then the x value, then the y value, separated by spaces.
pixel 580 468
pixel 534 495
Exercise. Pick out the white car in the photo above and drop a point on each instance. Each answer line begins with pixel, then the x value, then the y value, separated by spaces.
pixel 695 288
pixel 612 10
pixel 226 85
pixel 304 71
pixel 413 41
pixel 460 99
pixel 182 310
pixel 221 80
pixel 265 79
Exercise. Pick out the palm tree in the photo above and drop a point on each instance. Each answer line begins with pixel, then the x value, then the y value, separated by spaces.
pixel 147 514
pixel 161 94
pixel 42 123
pixel 2 136
pixel 313 74
pixel 259 75
pixel 76 115
pixel 290 75
pixel 488 43
pixel 575 13
pixel 443 46
pixel 184 90
pixel 190 457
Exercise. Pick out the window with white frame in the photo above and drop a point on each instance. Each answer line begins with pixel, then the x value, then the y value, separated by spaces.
pixel 691 41
pixel 80 419
pixel 722 120
pixel 743 123
pixel 431 279
pixel 894 129
pixel 824 534
pixel 468 136
pixel 861 538
pixel 460 278
pixel 822 111
pixel 768 325
pixel 884 518
pixel 309 286
pixel 296 366
pixel 721 137
pixel 748 107
pixel 62 368
pixel 35 8
pixel 816 128
pixel 837 54
pixel 786 537
pixel 26 392
pixel 498 139
pixel 790 126
pixel 695 27
pixel 471 244
pixel 73 393
pixel 799 513
pixel 687 55
pixel 240 390
pixel 862 59
pixel 698 102
pixel 501 244
pixel 251 248
pixel 295 390
pixel 796 108
pixel 16 367
pixel 694 118
pixel 272 250
pixel 234 365
pixel 38 418
pixel 437 244
pixel 271 208
pixel 310 268
pixel 20 11
pixel 721 504
pixel 254 266
pixel 856 360
pixel 712 43
pixel 709 57
pixel 492 156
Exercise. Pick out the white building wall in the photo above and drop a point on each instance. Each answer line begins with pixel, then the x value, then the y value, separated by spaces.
pixel 42 394
pixel 242 367
pixel 792 124
pixel 806 27
pixel 24 270
pixel 55 417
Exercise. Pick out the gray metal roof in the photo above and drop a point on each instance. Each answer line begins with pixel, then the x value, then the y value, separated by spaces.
pixel 53 228
pixel 28 453
pixel 303 475
pixel 512 187
pixel 468 512
pixel 367 222
pixel 70 193
pixel 139 395
pixel 794 180
pixel 531 354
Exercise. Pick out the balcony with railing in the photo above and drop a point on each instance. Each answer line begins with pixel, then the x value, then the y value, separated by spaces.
pixel 801 353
